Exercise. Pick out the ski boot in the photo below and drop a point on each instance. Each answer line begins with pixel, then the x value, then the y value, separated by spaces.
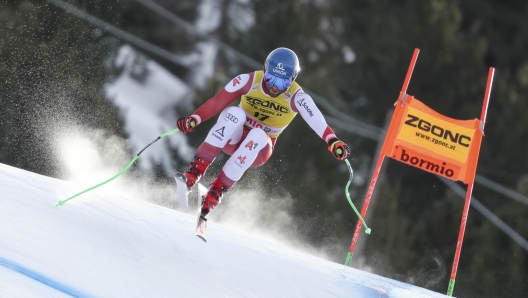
pixel 195 172
pixel 209 201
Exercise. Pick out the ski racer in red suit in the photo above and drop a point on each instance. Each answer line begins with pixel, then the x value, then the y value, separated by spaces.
pixel 269 100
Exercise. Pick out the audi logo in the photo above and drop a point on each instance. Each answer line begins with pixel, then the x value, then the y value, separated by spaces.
pixel 230 117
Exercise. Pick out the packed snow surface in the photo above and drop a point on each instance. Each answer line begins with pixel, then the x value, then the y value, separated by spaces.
pixel 101 244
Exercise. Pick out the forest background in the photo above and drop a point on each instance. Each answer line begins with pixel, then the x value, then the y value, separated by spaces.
pixel 54 67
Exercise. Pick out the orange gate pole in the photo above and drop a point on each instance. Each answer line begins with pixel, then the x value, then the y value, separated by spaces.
pixel 469 190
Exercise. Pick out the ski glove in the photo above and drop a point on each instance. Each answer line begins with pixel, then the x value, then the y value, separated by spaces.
pixel 339 149
pixel 186 124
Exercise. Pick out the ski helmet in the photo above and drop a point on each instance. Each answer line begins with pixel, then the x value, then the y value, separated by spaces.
pixel 281 68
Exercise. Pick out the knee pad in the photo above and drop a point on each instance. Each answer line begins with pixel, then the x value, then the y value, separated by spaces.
pixel 245 155
pixel 258 136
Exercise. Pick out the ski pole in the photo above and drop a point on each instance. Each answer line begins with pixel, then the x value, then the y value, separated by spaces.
pixel 123 170
pixel 367 229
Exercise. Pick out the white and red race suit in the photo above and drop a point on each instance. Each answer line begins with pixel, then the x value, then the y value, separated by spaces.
pixel 249 131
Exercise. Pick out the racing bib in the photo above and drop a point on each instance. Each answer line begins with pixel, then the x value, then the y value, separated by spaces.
pixel 272 114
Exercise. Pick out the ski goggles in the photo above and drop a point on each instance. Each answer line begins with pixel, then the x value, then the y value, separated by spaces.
pixel 273 81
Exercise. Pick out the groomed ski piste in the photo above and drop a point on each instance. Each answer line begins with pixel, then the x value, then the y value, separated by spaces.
pixel 107 245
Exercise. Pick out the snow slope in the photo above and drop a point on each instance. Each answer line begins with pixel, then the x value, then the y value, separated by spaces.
pixel 106 245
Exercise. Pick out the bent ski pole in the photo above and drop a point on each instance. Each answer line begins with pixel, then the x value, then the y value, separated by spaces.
pixel 367 229
pixel 123 170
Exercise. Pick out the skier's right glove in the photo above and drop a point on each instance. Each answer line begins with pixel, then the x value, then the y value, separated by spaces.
pixel 339 149
pixel 187 124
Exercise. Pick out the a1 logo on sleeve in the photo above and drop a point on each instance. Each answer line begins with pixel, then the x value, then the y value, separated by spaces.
pixel 237 83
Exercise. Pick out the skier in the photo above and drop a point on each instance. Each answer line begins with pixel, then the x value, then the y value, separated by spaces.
pixel 270 99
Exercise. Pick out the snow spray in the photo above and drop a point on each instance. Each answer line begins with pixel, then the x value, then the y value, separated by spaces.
pixel 123 170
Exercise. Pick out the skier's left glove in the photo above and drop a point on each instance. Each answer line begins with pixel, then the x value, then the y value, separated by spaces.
pixel 187 124
pixel 339 149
